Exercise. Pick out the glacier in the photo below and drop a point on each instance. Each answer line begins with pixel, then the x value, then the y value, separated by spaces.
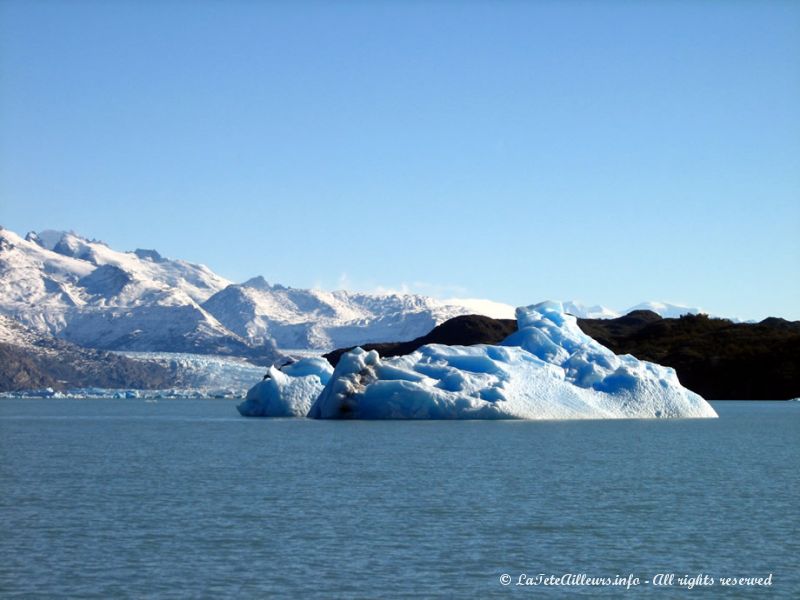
pixel 548 369
pixel 195 376
pixel 228 376
pixel 100 393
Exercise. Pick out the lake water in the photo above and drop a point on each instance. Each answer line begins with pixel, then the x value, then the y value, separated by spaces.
pixel 184 498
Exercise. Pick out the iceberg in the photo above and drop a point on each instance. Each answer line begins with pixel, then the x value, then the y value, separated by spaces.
pixel 547 369
pixel 287 391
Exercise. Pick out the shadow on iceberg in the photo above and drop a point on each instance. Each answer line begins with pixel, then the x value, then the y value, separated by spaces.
pixel 547 369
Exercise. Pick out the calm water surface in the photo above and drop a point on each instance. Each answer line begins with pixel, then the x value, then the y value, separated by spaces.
pixel 183 498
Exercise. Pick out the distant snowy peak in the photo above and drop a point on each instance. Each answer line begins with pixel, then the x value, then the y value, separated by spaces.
pixel 147 268
pixel 77 247
pixel 67 243
pixel 151 255
pixel 582 311
pixel 259 283
pixel 47 239
pixel 84 291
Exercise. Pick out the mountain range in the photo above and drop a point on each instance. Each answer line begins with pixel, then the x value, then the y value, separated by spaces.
pixel 82 291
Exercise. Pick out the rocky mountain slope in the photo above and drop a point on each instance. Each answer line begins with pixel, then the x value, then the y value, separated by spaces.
pixel 31 360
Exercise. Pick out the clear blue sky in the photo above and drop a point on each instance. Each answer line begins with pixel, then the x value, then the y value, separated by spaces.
pixel 609 152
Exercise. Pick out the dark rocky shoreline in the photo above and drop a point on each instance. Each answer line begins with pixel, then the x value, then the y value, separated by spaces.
pixel 39 361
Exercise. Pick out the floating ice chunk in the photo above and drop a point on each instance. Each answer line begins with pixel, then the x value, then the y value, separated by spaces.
pixel 548 369
pixel 289 391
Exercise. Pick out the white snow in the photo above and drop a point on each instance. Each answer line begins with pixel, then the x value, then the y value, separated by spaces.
pixel 548 369
pixel 81 290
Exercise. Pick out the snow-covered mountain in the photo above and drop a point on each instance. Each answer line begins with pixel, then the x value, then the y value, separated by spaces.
pixel 297 318
pixel 83 291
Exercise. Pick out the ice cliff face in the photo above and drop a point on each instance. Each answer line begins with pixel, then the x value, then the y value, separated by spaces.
pixel 548 369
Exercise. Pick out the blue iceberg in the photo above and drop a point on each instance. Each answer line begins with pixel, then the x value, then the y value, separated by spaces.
pixel 288 391
pixel 548 369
